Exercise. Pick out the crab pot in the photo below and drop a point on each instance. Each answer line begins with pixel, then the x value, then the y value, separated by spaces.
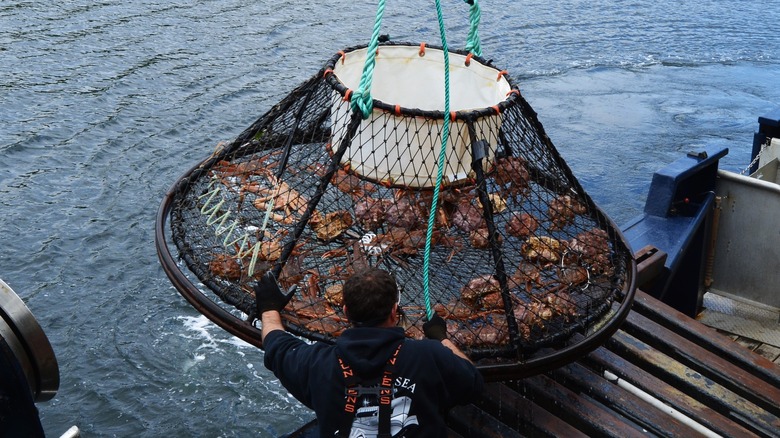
pixel 520 260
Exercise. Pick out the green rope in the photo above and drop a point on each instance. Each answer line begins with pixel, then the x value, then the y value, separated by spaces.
pixel 442 155
pixel 361 99
pixel 472 43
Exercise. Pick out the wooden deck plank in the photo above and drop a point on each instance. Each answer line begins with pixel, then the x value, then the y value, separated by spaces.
pixel 580 412
pixel 768 351
pixel 689 381
pixel 704 362
pixel 605 359
pixel 592 383
pixel 706 337
pixel 520 413
pixel 471 421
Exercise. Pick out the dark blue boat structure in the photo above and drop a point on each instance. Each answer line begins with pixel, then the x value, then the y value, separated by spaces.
pixel 708 251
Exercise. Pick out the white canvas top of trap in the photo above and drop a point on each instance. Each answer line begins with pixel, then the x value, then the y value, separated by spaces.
pixel 403 149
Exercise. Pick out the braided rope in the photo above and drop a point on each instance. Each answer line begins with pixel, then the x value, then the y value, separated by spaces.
pixel 472 42
pixel 361 99
pixel 442 156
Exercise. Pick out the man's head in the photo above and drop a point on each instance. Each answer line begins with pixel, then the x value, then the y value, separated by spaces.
pixel 370 296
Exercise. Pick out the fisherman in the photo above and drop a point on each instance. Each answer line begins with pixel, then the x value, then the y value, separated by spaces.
pixel 373 381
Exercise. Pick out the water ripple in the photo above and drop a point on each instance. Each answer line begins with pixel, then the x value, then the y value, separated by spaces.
pixel 104 104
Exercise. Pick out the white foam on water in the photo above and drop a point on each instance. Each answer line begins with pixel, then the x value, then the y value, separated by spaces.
pixel 212 336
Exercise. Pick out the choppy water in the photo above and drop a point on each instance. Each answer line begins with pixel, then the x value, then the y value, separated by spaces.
pixel 104 104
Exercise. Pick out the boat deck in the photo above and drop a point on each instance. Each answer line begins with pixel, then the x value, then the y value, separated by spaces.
pixel 662 374
pixel 752 325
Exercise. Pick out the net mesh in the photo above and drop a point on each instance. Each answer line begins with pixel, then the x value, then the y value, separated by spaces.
pixel 520 256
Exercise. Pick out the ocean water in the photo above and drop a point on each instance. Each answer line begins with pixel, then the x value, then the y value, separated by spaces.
pixel 103 105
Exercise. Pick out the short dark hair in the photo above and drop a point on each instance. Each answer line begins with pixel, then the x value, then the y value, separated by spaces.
pixel 370 295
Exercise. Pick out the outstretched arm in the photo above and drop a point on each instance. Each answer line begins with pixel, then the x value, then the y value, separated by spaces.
pixel 272 320
pixel 270 300
pixel 451 345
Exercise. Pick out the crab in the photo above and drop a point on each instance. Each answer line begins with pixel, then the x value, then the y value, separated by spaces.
pixel 355 260
pixel 399 241
pixel 330 226
pixel 493 331
pixel 493 300
pixel 225 266
pixel 497 203
pixel 522 225
pixel 593 247
pixel 443 208
pixel 415 331
pixel 332 325
pixel 460 334
pixel 543 249
pixel 370 213
pixel 310 305
pixel 480 238
pixel 292 271
pixel 270 250
pixel 527 276
pixel 478 287
pixel 285 199
pixel 404 212
pixel 351 184
pixel 487 330
pixel 467 216
pixel 561 304
pixel 344 180
pixel 525 318
pixel 572 275
pixel 455 309
pixel 231 268
pixel 512 171
pixel 334 295
pixel 563 209
pixel 253 167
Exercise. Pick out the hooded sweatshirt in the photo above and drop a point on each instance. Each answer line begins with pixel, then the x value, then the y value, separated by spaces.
pixel 428 379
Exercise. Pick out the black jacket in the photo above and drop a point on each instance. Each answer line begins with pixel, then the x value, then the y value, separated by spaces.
pixel 428 379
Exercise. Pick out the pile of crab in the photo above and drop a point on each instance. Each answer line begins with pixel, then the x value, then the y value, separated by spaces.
pixel 552 258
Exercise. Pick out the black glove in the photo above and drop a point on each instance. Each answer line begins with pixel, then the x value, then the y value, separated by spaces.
pixel 269 296
pixel 436 328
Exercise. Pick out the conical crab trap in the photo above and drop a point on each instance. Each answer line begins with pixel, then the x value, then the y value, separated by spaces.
pixel 518 257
